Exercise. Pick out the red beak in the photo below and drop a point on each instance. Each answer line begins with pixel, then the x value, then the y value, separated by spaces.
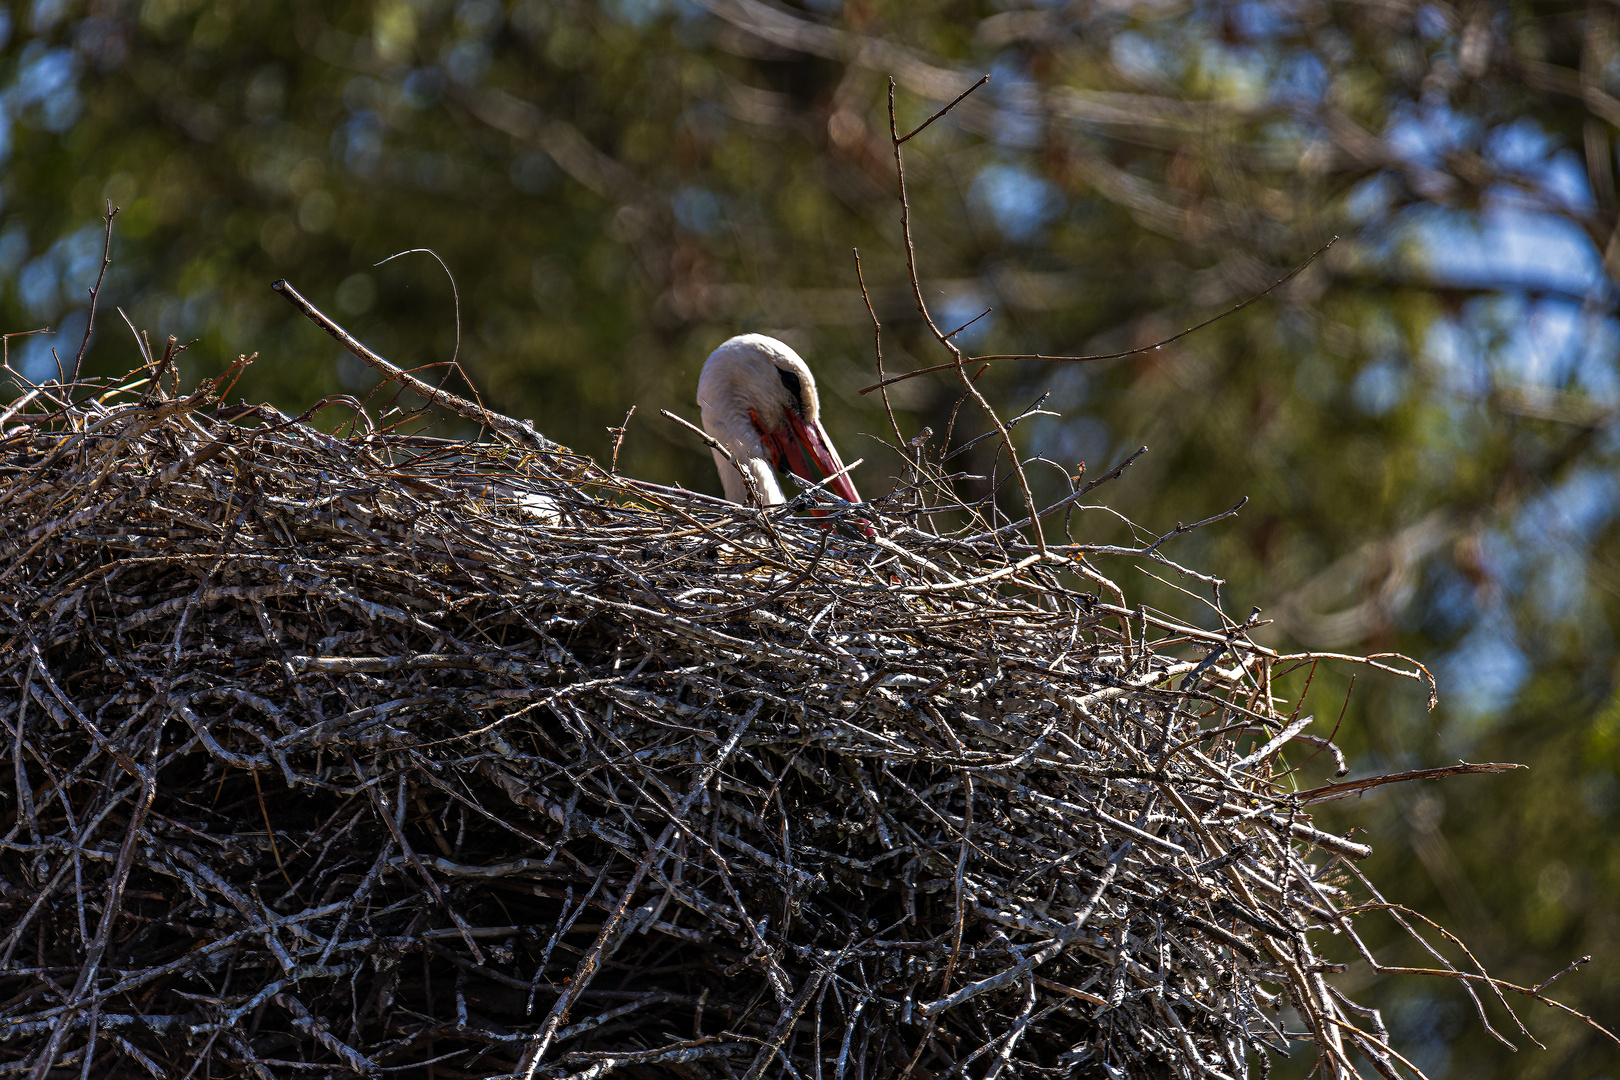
pixel 804 450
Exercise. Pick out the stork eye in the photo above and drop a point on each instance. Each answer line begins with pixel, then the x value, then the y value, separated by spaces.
pixel 791 381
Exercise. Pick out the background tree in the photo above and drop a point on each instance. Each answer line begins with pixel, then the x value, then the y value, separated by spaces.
pixel 1424 420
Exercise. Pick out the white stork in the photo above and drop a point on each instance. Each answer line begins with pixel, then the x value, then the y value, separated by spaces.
pixel 759 402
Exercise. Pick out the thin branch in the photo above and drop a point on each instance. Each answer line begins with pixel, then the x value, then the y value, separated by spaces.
pixel 922 309
pixel 1295 272
pixel 95 292
pixel 522 433
pixel 920 128
pixel 1343 789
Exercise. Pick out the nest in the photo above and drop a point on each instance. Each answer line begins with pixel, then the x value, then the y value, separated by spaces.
pixel 436 758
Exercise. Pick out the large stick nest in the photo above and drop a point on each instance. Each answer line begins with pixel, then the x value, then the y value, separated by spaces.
pixel 334 755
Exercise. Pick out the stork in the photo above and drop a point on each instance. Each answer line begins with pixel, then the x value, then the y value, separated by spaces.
pixel 759 402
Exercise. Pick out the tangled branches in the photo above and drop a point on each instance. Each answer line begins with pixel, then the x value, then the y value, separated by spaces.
pixel 439 758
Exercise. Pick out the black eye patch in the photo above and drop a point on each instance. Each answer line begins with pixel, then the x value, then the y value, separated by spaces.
pixel 791 381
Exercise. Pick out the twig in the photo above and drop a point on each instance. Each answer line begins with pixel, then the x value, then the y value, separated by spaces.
pixel 968 384
pixel 618 434
pixel 1295 272
pixel 920 128
pixel 521 433
pixel 1573 964
pixel 95 292
pixel 877 348
pixel 1329 792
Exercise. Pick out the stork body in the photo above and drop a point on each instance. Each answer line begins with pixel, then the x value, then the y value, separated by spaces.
pixel 759 401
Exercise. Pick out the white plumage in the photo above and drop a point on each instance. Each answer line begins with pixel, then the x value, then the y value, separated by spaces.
pixel 759 401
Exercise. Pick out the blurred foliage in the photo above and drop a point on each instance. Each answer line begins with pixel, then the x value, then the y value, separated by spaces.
pixel 1425 420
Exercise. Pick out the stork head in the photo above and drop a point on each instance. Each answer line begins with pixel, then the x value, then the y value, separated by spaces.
pixel 759 402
